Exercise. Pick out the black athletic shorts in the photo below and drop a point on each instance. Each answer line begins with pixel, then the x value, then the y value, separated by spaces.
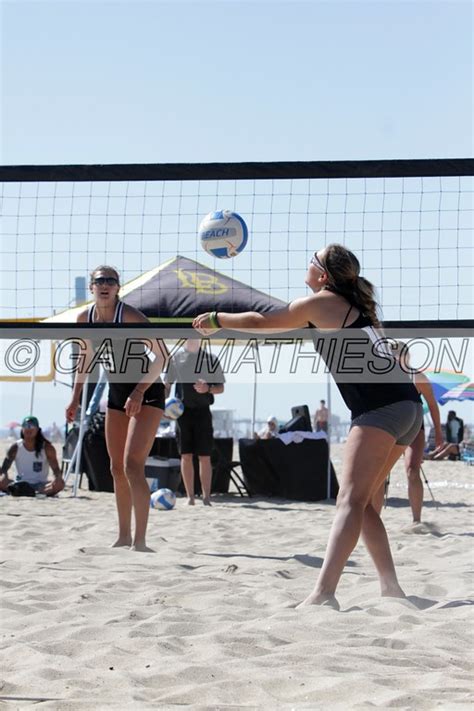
pixel 118 393
pixel 194 431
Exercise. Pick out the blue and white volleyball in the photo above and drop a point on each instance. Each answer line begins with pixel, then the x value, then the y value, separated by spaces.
pixel 174 408
pixel 223 234
pixel 163 499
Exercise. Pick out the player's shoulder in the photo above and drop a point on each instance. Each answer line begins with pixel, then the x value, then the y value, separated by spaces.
pixel 421 379
pixel 49 448
pixel 83 315
pixel 132 315
pixel 12 450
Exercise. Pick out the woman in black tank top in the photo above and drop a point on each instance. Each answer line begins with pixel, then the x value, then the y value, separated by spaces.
pixel 386 415
pixel 134 408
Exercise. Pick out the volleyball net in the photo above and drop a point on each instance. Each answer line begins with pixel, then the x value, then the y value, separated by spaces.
pixel 409 222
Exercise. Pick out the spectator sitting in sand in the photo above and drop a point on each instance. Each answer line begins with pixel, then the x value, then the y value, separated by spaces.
pixel 33 455
pixel 450 451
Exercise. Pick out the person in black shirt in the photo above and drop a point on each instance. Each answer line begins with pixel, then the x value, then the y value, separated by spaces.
pixel 386 415
pixel 198 376
pixel 454 428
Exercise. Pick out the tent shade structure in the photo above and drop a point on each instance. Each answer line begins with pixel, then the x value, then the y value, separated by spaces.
pixel 180 289
pixel 463 391
pixel 177 290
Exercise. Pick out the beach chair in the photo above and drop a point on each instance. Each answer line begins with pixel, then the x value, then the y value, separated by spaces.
pixel 237 479
pixel 225 469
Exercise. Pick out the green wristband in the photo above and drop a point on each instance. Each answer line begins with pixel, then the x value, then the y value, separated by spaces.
pixel 213 320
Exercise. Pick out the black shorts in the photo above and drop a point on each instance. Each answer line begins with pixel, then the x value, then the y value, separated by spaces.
pixel 118 393
pixel 400 419
pixel 194 431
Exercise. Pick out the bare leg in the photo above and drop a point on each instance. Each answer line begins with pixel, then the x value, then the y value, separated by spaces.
pixel 375 535
pixel 116 427
pixel 413 459
pixel 187 472
pixel 141 432
pixel 378 498
pixel 449 449
pixel 205 473
pixel 376 541
pixel 365 457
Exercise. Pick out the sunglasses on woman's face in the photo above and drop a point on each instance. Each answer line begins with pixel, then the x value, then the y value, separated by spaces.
pixel 100 281
pixel 317 262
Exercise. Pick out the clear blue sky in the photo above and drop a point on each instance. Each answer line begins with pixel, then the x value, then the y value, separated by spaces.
pixel 92 82
pixel 110 82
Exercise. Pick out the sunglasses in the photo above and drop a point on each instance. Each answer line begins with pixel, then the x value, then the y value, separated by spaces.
pixel 317 262
pixel 29 426
pixel 100 281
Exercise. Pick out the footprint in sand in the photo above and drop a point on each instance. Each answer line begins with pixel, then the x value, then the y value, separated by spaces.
pixel 420 528
pixel 102 550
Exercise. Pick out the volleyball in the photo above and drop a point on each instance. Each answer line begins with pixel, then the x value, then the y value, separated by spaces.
pixel 174 408
pixel 163 499
pixel 223 234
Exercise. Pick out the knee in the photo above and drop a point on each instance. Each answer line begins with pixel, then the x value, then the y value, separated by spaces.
pixel 413 474
pixel 117 470
pixel 351 499
pixel 134 468
pixel 186 458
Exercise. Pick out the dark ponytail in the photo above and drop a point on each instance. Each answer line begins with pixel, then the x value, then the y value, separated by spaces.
pixel 343 270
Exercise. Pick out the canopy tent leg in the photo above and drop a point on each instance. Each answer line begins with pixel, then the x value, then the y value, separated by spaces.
pixel 74 466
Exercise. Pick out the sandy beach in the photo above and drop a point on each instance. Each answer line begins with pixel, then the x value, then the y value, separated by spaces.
pixel 208 620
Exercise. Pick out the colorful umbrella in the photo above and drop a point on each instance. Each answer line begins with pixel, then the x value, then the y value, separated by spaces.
pixel 463 391
pixel 444 380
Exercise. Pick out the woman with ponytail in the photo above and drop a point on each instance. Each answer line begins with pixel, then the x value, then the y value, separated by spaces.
pixel 386 411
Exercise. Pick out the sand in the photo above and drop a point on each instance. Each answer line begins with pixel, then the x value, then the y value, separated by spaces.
pixel 208 620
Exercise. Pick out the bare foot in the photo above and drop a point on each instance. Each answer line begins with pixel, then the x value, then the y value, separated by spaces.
pixel 322 599
pixel 207 502
pixel 141 548
pixel 122 542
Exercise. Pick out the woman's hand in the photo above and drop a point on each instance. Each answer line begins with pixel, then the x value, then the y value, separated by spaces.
pixel 71 410
pixel 439 440
pixel 202 324
pixel 133 404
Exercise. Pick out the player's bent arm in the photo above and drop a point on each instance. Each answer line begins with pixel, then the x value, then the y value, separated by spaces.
pixel 297 314
pixel 82 372
pixel 423 386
